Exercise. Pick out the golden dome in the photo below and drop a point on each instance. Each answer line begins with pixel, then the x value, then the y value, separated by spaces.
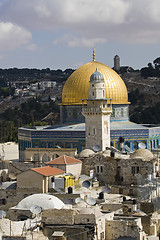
pixel 77 85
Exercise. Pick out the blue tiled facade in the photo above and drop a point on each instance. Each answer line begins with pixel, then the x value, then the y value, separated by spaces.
pixel 71 114
pixel 73 136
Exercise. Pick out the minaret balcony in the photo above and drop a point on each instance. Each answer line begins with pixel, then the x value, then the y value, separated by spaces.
pixel 95 110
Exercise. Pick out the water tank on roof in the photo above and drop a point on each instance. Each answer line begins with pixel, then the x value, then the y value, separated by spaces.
pixel 101 195
pixel 70 190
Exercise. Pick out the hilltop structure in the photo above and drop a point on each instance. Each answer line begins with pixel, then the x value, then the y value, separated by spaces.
pixel 116 63
pixel 72 132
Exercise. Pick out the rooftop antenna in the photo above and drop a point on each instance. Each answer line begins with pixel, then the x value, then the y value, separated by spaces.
pixel 94 54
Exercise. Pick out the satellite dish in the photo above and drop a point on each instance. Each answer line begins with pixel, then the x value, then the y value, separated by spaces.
pixel 141 145
pixel 79 200
pixel 91 201
pixel 96 148
pixel 106 189
pixel 35 209
pixel 68 174
pixel 86 184
pixel 2 214
pixel 57 146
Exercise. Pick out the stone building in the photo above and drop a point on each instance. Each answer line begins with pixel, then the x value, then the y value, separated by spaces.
pixel 37 179
pixel 134 176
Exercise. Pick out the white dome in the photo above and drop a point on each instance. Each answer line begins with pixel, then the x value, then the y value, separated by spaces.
pixel 45 201
pixel 86 153
pixel 144 154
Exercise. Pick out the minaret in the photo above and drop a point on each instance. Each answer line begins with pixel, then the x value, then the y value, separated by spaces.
pixel 97 114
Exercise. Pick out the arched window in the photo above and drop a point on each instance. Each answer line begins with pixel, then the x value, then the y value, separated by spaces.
pixel 135 145
pixel 35 157
pixel 112 143
pixel 154 143
pixel 157 143
pixel 127 143
pixel 45 158
pixel 55 156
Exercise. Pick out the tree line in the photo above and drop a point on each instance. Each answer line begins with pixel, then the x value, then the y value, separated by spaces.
pixel 152 70
pixel 29 113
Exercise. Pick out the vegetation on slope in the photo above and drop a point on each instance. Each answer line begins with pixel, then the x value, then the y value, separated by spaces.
pixel 29 113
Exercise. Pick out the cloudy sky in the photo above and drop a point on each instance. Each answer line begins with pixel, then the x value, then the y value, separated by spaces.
pixel 61 33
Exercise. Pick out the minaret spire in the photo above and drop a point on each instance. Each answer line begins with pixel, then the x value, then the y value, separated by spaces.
pixel 93 54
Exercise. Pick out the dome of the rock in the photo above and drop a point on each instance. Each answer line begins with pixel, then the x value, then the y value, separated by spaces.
pixel 77 85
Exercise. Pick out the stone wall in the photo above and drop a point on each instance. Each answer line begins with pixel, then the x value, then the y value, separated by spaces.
pixel 124 227
pixel 30 180
pixel 106 164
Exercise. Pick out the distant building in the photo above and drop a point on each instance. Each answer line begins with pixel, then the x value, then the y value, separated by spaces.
pixel 116 63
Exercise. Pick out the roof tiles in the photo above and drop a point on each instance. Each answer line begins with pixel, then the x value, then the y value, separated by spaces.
pixel 48 171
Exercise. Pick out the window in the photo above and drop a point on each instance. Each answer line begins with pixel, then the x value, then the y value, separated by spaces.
pixel 127 143
pixel 135 145
pixel 92 93
pixel 100 169
pixel 102 236
pixel 52 179
pixel 122 112
pixel 135 169
pixel 74 113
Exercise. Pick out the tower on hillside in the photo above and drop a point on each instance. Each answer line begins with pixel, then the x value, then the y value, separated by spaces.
pixel 97 114
pixel 116 63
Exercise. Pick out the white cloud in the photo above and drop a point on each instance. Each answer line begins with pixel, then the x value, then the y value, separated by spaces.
pixel 13 36
pixel 72 41
pixel 94 21
pixel 31 47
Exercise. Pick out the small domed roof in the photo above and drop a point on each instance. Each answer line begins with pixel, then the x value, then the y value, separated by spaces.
pixel 45 201
pixel 144 154
pixel 96 77
pixel 86 153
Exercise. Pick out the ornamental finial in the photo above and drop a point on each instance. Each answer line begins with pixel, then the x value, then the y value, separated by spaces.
pixel 93 54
